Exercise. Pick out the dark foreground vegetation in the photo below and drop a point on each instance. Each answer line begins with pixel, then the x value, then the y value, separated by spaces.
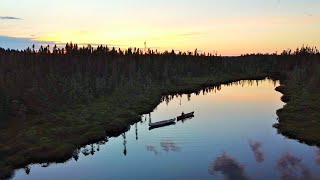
pixel 53 102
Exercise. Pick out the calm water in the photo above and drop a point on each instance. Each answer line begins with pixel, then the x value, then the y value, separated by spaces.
pixel 231 136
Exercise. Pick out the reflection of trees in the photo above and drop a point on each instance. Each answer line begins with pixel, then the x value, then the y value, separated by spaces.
pixel 101 143
pixel 189 97
pixel 45 165
pixel 136 130
pixel 168 98
pixel 215 88
pixel 75 154
pixel 89 149
pixel 92 150
pixel 145 118
pixel 168 145
pixel 27 169
pixel 85 151
pixel 256 149
pixel 291 167
pixel 124 144
pixel 229 167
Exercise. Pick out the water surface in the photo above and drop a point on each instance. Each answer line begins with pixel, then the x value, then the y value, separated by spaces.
pixel 231 136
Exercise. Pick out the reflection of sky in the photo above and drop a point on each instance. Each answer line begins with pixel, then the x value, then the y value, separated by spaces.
pixel 188 149
pixel 229 27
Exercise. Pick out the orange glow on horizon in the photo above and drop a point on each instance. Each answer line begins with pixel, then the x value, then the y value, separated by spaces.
pixel 225 27
pixel 227 36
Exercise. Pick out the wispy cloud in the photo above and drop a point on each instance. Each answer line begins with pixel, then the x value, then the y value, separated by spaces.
pixel 21 42
pixel 9 18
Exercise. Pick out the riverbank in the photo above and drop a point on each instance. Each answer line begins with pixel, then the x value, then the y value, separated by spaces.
pixel 299 118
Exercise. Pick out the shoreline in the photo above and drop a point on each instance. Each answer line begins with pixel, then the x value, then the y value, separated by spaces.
pixel 293 127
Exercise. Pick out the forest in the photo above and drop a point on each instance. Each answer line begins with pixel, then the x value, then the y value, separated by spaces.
pixel 55 100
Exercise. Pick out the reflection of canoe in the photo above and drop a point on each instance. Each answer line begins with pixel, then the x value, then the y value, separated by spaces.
pixel 159 126
pixel 186 119
pixel 185 116
pixel 162 123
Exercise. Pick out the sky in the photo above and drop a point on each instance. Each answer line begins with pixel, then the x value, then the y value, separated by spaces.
pixel 228 27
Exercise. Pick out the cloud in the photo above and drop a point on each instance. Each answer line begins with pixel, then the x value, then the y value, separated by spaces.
pixel 9 18
pixel 291 167
pixel 229 167
pixel 256 149
pixel 21 42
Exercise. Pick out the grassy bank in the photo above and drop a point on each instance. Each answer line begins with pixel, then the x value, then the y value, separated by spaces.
pixel 300 117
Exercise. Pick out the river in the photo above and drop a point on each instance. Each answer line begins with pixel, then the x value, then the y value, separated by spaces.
pixel 230 137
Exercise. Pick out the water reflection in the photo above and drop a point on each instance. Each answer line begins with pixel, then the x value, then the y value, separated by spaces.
pixel 166 145
pixel 85 151
pixel 229 167
pixel 152 149
pixel 186 119
pixel 150 118
pixel 229 119
pixel 124 144
pixel 161 126
pixel 27 170
pixel 256 148
pixel 136 130
pixel 217 88
pixel 45 165
pixel 89 149
pixel 75 154
pixel 317 158
pixel 169 145
pixel 291 167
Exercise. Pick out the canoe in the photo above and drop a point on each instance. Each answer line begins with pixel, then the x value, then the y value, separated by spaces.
pixel 162 123
pixel 184 116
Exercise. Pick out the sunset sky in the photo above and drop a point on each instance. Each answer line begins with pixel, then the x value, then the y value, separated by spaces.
pixel 231 27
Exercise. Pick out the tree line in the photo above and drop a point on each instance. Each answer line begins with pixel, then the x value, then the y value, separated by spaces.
pixel 49 79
